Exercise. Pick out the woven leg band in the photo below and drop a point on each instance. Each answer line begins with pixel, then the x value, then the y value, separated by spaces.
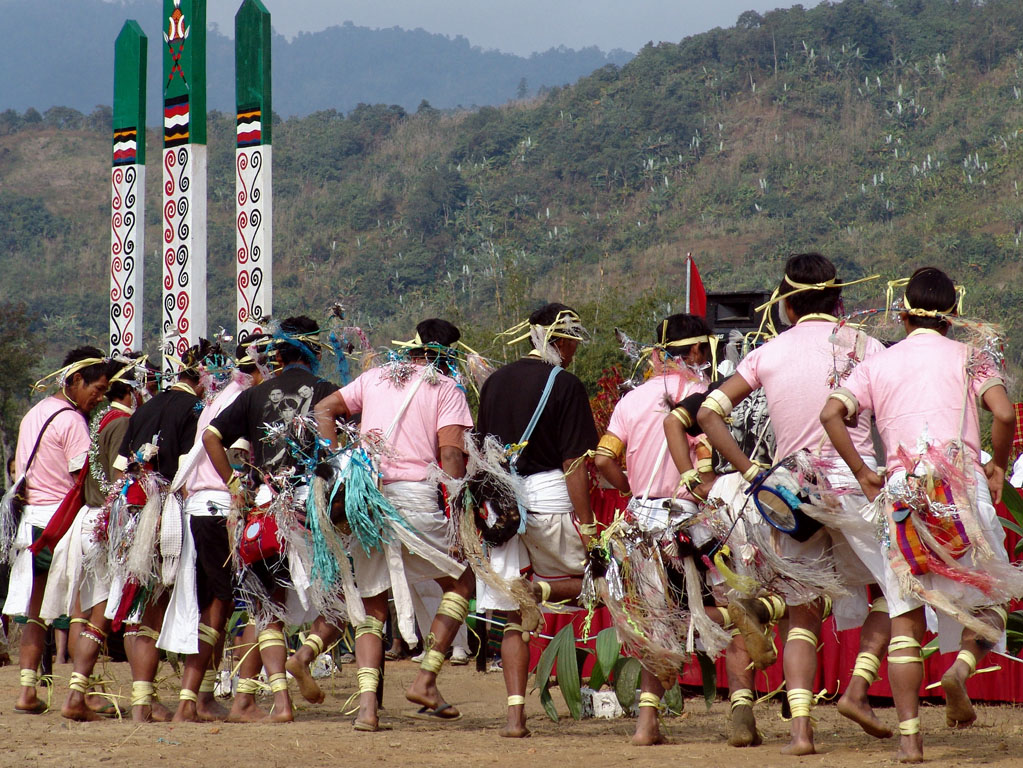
pixel 516 700
pixel 775 607
pixel 132 631
pixel 969 660
pixel 278 682
pixel 800 701
pixel 370 626
pixel 144 631
pixel 433 660
pixel 828 605
pixel 142 692
pixel 545 591
pixel 880 605
pixel 1001 613
pixel 315 643
pixel 798 633
pixel 187 695
pixel 369 679
pixel 866 666
pixel 904 643
pixel 79 683
pixel 726 619
pixel 909 727
pixel 28 678
pixel 208 634
pixel 78 620
pixel 209 681
pixel 512 627
pixel 648 699
pixel 249 686
pixel 271 638
pixel 454 606
pixel 741 698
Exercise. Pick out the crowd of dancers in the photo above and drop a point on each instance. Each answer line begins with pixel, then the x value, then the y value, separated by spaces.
pixel 774 478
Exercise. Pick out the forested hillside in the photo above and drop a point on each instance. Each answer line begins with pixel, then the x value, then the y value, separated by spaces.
pixel 885 134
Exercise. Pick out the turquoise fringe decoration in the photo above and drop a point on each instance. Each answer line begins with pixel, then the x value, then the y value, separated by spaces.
pixel 369 513
pixel 325 568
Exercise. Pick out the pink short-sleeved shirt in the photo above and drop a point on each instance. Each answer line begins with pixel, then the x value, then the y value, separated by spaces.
pixel 638 421
pixel 796 370
pixel 205 477
pixel 63 450
pixel 891 384
pixel 436 404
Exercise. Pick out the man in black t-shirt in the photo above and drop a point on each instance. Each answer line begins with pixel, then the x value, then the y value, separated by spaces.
pixel 168 422
pixel 293 392
pixel 557 490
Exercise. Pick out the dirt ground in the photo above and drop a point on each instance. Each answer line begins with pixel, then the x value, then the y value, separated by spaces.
pixel 321 736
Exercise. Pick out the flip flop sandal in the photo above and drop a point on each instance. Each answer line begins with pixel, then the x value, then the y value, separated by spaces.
pixel 38 709
pixel 425 713
pixel 358 725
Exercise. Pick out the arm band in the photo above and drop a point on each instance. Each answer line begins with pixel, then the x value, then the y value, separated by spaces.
pixel 994 381
pixel 684 416
pixel 846 398
pixel 751 474
pixel 610 446
pixel 718 402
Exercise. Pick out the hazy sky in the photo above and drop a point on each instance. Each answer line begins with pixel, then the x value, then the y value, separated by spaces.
pixel 515 26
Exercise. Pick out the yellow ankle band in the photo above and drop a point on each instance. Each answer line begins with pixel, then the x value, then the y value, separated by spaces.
pixel 142 692
pixel 28 678
pixel 278 682
pixel 800 701
pixel 516 701
pixel 454 606
pixel 369 678
pixel 648 699
pixel 742 697
pixel 79 682
pixel 208 634
pixel 187 695
pixel 271 638
pixel 909 727
pixel 247 685
pixel 209 681
pixel 370 626
pixel 880 605
pixel 799 633
pixel 432 661
pixel 867 666
pixel 969 659
pixel 315 642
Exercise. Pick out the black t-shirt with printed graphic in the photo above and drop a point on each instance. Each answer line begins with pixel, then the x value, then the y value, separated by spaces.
pixel 565 429
pixel 168 421
pixel 293 392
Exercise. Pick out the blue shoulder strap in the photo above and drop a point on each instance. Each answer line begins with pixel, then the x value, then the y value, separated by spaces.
pixel 544 397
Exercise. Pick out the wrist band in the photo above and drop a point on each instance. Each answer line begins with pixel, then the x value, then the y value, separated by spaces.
pixel 751 474
pixel 588 529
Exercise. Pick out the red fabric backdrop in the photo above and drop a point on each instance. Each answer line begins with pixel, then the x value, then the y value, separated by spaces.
pixel 837 654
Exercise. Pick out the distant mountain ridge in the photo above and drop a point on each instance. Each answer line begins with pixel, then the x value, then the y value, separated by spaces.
pixel 60 53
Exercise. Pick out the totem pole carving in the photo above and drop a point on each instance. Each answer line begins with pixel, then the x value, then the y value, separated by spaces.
pixel 128 190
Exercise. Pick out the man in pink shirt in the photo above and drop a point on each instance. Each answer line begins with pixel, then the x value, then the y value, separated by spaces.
pixel 935 483
pixel 663 495
pixel 422 418
pixel 53 444
pixel 798 370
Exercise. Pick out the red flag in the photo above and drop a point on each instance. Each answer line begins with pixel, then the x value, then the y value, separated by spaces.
pixel 696 296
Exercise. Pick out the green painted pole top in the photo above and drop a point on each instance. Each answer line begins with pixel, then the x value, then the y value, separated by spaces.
pixel 184 72
pixel 252 73
pixel 130 94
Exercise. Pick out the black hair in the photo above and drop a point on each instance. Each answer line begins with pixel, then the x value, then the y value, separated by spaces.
pixel 243 349
pixel 548 313
pixel 92 372
pixel 118 390
pixel 438 331
pixel 682 326
pixel 299 352
pixel 205 352
pixel 930 289
pixel 809 269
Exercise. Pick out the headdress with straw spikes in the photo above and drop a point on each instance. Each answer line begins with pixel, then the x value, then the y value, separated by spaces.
pixel 892 305
pixel 766 322
pixel 464 364
pixel 63 375
pixel 566 325
pixel 306 342
pixel 669 348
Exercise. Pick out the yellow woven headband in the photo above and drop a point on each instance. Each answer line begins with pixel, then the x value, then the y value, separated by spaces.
pixel 567 325
pixel 801 287
pixel 956 308
pixel 62 375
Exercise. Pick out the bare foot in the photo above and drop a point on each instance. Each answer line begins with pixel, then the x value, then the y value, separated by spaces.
pixel 428 695
pixel 186 713
pixel 644 737
pixel 159 713
pixel 209 710
pixel 750 618
pixel 744 728
pixel 911 749
pixel 801 746
pixel 245 712
pixel 281 711
pixel 307 686
pixel 77 710
pixel 959 712
pixel 514 732
pixel 861 713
